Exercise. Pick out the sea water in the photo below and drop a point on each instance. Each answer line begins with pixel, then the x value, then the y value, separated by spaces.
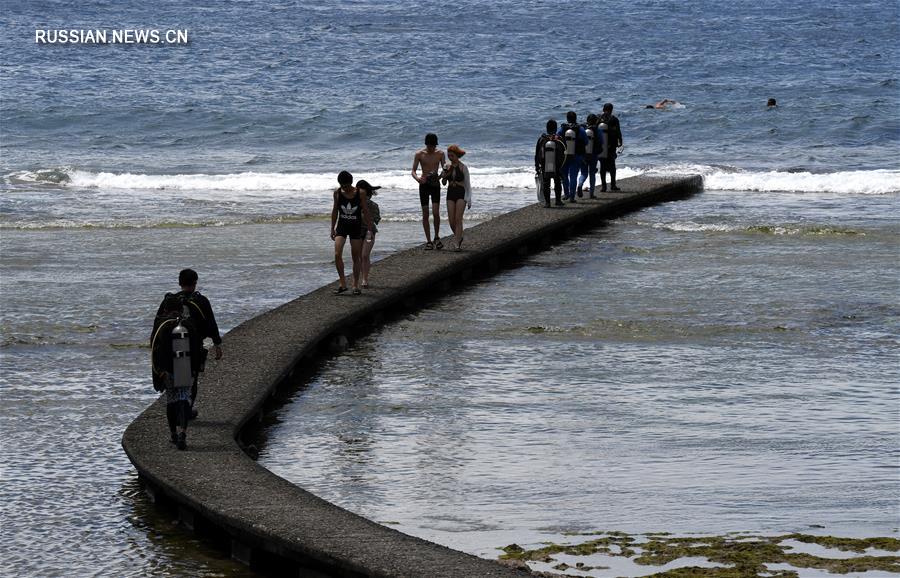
pixel 725 363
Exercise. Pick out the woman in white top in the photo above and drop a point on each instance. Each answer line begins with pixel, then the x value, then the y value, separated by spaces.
pixel 459 192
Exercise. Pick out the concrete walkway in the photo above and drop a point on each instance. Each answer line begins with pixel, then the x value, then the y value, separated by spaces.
pixel 268 522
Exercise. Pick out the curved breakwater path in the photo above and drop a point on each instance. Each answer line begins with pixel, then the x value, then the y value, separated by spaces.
pixel 264 520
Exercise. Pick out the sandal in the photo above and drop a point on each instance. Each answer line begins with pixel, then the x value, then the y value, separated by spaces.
pixel 429 246
pixel 340 290
pixel 365 285
pixel 437 243
pixel 356 291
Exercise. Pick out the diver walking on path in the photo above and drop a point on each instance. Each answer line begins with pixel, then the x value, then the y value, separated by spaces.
pixel 549 153
pixel 612 143
pixel 183 321
pixel 349 220
pixel 591 150
pixel 575 140
pixel 431 161
pixel 459 192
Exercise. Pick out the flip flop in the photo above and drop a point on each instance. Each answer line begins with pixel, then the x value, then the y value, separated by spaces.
pixel 438 245
pixel 340 290
pixel 429 246
pixel 356 291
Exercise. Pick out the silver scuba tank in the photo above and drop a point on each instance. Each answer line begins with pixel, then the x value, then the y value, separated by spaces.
pixel 551 163
pixel 604 144
pixel 181 350
pixel 570 141
pixel 589 147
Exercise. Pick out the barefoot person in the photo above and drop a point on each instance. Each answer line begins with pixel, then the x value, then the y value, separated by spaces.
pixel 368 191
pixel 431 162
pixel 348 217
pixel 459 192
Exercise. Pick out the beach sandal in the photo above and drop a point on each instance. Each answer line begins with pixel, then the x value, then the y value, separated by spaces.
pixel 437 243
pixel 356 291
pixel 340 290
pixel 429 246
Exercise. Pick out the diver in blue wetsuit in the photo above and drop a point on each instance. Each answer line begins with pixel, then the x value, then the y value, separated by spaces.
pixel 575 138
pixel 591 153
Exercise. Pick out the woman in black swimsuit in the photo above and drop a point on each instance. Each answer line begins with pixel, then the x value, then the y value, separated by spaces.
pixel 347 218
pixel 459 192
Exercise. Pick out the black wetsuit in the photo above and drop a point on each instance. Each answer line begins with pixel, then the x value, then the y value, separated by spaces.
pixel 546 176
pixel 613 140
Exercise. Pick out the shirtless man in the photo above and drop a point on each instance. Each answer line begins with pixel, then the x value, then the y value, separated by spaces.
pixel 431 161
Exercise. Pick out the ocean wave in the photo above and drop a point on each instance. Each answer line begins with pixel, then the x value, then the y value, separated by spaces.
pixel 785 229
pixel 874 182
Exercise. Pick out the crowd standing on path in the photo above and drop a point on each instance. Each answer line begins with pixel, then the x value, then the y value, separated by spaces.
pixel 568 156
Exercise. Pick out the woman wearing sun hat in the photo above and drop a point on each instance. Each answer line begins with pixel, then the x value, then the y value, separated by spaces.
pixel 459 192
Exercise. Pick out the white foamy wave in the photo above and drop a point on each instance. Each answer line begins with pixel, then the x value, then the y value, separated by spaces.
pixel 874 182
pixel 491 178
pixel 878 182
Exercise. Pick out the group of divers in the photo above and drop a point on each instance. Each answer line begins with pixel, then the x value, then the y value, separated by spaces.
pixel 568 154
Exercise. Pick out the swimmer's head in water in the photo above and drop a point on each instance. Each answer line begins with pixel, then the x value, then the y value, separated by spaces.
pixel 771 102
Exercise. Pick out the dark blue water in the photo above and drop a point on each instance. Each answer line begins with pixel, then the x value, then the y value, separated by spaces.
pixel 121 164
pixel 301 86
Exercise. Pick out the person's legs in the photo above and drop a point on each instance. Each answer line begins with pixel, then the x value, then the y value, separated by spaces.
pixel 424 197
pixel 582 176
pixel 557 189
pixel 356 255
pixel 564 175
pixel 366 260
pixel 545 186
pixel 436 210
pixel 451 215
pixel 592 172
pixel 183 411
pixel 172 419
pixel 339 259
pixel 604 167
pixel 612 175
pixel 458 211
pixel 573 177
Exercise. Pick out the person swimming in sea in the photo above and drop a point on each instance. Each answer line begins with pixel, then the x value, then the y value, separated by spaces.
pixel 665 103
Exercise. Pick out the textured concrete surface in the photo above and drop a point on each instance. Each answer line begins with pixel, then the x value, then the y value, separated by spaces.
pixel 266 519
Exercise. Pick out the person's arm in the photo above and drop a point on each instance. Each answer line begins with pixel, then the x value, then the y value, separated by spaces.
pixel 619 134
pixel 537 154
pixel 334 214
pixel 212 329
pixel 367 218
pixel 415 168
pixel 467 185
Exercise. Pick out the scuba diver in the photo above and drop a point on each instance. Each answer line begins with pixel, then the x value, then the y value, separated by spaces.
pixel 612 145
pixel 183 321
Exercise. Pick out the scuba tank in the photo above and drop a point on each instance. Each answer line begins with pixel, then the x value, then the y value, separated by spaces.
pixel 571 138
pixel 181 353
pixel 604 134
pixel 589 147
pixel 550 161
